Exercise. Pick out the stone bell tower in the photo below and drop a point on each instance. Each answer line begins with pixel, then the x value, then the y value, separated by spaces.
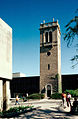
pixel 50 58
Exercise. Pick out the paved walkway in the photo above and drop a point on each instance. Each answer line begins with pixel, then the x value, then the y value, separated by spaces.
pixel 46 109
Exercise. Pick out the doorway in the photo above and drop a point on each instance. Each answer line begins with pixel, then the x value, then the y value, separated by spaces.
pixel 48 90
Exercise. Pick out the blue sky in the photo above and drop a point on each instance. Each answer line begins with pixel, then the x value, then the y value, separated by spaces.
pixel 25 16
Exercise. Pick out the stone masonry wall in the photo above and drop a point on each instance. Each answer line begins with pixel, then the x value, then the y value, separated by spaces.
pixel 46 76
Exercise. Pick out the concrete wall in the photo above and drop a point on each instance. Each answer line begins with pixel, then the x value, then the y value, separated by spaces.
pixel 1 95
pixel 5 50
pixel 5 64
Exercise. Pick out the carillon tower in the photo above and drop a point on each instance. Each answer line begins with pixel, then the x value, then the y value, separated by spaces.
pixel 50 58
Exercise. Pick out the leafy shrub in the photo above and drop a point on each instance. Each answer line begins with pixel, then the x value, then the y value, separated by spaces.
pixel 36 96
pixel 74 93
pixel 14 110
pixel 56 96
pixel 42 96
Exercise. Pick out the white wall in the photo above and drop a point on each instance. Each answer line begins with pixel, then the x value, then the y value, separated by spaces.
pixel 5 50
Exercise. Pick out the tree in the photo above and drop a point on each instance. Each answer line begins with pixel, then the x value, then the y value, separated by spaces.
pixel 71 30
pixel 71 34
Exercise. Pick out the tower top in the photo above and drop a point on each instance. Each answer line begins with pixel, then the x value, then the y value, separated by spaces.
pixel 50 25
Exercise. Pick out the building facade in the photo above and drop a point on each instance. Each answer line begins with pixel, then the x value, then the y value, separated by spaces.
pixel 23 85
pixel 50 58
pixel 69 82
pixel 18 74
pixel 5 63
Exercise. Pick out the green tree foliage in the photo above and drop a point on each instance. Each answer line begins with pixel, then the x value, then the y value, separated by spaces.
pixel 72 33
pixel 71 30
pixel 74 93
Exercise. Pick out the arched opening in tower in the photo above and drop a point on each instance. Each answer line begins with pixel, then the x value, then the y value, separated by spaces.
pixel 48 90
